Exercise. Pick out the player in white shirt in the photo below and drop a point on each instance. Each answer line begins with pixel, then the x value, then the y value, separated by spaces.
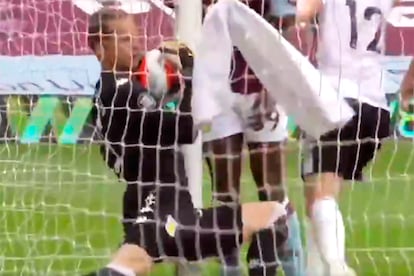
pixel 349 53
pixel 255 120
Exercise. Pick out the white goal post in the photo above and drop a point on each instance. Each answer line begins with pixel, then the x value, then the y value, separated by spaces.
pixel 188 21
pixel 61 206
pixel 188 27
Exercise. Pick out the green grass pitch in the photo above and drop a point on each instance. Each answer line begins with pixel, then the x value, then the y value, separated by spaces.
pixel 60 209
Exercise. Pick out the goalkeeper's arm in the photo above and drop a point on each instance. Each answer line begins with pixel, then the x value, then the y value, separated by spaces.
pixel 145 123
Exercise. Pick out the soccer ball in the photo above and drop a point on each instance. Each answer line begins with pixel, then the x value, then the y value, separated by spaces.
pixel 162 74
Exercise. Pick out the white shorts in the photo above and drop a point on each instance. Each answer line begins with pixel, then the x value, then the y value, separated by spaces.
pixel 235 121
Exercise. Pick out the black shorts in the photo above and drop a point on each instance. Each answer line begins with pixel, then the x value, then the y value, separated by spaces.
pixel 348 150
pixel 177 229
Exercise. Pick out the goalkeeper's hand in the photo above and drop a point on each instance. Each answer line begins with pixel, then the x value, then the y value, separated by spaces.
pixel 179 54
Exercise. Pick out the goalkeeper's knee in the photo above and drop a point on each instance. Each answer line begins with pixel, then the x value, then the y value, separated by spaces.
pixel 262 254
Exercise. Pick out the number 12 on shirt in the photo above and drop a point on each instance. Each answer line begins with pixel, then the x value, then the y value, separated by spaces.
pixel 369 12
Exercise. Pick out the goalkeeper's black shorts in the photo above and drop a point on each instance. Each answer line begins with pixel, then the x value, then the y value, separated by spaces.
pixel 176 230
pixel 348 150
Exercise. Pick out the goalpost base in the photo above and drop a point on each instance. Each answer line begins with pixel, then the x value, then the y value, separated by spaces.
pixel 188 26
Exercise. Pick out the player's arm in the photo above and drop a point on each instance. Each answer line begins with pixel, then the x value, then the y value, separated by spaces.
pixel 307 10
pixel 407 86
pixel 146 123
pixel 170 127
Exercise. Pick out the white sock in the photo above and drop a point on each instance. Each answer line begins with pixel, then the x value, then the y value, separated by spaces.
pixel 329 230
pixel 314 263
pixel 121 269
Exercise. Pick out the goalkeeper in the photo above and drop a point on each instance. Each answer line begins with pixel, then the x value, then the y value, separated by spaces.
pixel 141 146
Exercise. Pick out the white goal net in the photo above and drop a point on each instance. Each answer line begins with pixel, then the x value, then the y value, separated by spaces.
pixel 60 206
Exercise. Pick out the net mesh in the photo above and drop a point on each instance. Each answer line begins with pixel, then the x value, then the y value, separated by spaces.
pixel 377 211
pixel 59 27
pixel 51 221
pixel 60 206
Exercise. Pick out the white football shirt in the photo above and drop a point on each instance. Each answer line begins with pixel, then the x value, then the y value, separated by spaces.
pixel 350 46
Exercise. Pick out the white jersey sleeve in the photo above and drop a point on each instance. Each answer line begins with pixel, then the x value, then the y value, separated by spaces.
pixel 350 47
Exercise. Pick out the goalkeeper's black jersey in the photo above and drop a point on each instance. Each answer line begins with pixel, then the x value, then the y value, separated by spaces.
pixel 140 141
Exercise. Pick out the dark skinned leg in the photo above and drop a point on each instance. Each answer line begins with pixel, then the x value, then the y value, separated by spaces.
pixel 267 163
pixel 267 166
pixel 223 158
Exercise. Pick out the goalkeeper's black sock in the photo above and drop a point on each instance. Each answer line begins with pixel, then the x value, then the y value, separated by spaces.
pixel 262 254
pixel 106 271
pixel 230 264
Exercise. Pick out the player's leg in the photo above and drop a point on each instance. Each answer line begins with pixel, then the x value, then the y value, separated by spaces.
pixel 222 148
pixel 324 170
pixel 266 141
pixel 130 259
pixel 331 164
pixel 267 163
pixel 267 167
pixel 292 258
pixel 224 164
pixel 271 214
pixel 325 225
pixel 230 224
pixel 265 234
pixel 223 157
